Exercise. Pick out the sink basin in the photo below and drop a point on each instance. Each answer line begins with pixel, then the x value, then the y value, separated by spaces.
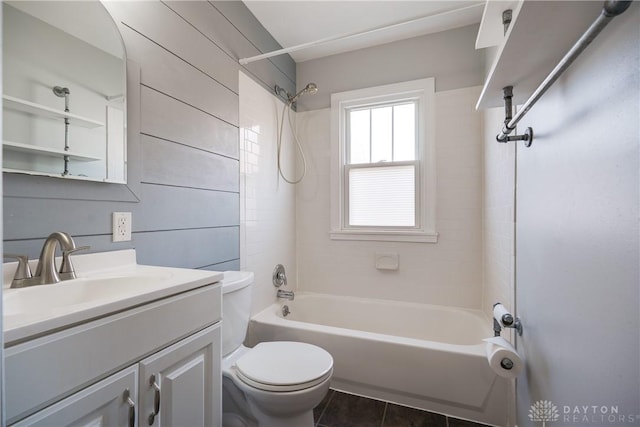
pixel 51 298
pixel 38 309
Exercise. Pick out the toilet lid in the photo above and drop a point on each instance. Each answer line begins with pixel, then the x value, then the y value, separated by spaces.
pixel 284 363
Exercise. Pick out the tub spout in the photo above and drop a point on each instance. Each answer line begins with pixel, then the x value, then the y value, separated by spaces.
pixel 285 294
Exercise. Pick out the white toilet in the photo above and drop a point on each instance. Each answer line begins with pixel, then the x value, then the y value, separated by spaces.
pixel 274 384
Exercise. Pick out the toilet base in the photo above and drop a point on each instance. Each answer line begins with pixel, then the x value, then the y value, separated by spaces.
pixel 230 419
pixel 240 410
pixel 301 420
pixel 304 419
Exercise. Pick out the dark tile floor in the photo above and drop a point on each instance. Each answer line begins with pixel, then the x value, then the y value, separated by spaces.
pixel 340 409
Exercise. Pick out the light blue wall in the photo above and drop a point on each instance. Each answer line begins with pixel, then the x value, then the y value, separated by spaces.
pixel 577 280
pixel 183 160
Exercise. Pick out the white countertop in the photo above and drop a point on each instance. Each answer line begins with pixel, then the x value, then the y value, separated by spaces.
pixel 107 282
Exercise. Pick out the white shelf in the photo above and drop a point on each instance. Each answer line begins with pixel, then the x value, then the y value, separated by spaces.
pixel 44 151
pixel 23 105
pixel 541 33
pixel 59 175
pixel 491 31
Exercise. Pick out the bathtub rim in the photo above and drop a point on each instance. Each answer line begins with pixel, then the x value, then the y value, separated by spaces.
pixel 272 315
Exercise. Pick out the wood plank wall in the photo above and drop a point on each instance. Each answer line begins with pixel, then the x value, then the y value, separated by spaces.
pixel 186 205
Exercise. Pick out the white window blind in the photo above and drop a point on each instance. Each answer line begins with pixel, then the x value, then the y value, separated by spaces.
pixel 382 196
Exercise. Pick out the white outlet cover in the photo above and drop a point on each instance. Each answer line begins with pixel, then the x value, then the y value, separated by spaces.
pixel 121 226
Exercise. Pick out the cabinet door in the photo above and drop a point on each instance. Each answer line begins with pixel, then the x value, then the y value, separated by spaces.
pixel 110 402
pixel 181 385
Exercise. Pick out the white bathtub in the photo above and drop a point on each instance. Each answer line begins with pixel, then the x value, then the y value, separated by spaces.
pixel 425 356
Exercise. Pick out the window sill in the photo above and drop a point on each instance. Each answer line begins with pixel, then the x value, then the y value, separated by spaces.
pixel 385 236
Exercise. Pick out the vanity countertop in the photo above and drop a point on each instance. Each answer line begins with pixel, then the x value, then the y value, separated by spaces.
pixel 106 283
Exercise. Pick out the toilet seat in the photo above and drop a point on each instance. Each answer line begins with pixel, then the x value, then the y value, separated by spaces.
pixel 284 366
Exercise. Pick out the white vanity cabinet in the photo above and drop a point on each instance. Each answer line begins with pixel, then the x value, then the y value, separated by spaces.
pixel 181 385
pixel 78 376
pixel 110 402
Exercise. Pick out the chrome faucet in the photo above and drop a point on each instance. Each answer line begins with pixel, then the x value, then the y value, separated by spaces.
pixel 285 294
pixel 46 272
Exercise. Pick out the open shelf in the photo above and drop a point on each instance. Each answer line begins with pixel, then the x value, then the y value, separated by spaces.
pixel 45 151
pixel 491 31
pixel 540 35
pixel 23 105
pixel 58 175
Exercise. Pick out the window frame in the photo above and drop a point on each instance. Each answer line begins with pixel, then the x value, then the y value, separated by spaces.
pixel 421 91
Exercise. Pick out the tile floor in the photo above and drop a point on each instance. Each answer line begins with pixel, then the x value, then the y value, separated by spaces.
pixel 340 409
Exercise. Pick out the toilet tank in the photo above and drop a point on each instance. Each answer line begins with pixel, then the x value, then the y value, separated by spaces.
pixel 236 308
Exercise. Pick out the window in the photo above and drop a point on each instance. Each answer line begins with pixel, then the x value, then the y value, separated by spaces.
pixel 383 169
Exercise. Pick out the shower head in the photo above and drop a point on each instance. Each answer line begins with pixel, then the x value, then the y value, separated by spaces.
pixel 311 89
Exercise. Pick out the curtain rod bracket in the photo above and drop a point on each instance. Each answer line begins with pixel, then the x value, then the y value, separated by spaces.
pixel 504 137
pixel 527 137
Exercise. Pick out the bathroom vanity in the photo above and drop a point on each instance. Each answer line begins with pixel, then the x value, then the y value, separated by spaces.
pixel 122 345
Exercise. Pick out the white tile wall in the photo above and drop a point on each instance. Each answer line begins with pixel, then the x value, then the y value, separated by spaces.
pixel 498 218
pixel 470 266
pixel 446 273
pixel 267 204
pixel 499 227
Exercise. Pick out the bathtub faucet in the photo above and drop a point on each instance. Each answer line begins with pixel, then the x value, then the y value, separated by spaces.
pixel 285 294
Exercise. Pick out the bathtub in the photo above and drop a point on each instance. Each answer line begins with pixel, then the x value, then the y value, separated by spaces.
pixel 424 356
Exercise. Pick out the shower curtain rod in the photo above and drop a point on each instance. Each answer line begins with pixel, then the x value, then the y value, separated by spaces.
pixel 245 61
pixel 610 10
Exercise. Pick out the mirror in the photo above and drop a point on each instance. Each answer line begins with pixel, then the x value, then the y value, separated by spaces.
pixel 64 98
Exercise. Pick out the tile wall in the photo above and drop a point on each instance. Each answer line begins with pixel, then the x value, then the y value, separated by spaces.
pixel 498 223
pixel 267 203
pixel 446 273
pixel 498 215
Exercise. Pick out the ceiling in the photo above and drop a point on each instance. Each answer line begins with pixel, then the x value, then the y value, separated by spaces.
pixel 295 22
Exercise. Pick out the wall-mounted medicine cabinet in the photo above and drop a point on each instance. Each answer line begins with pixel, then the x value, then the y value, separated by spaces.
pixel 64 100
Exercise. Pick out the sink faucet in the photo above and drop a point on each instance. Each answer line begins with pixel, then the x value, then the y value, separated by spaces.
pixel 46 272
pixel 285 294
pixel 46 269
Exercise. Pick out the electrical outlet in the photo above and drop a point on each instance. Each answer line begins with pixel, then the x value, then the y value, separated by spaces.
pixel 121 226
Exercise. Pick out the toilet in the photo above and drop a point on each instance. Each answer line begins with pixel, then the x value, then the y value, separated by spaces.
pixel 274 384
